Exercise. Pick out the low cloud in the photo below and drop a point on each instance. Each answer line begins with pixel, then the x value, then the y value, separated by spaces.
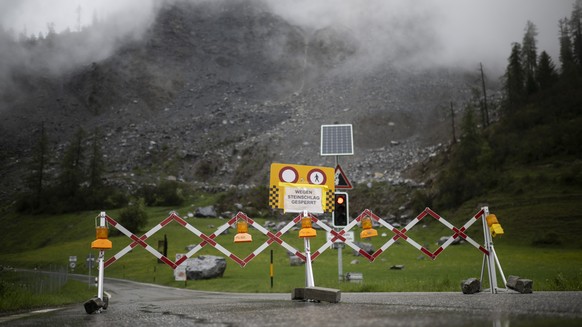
pixel 458 33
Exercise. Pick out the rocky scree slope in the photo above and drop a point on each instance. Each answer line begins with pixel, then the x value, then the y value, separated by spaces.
pixel 213 94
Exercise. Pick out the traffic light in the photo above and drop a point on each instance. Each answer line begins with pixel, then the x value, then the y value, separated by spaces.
pixel 340 214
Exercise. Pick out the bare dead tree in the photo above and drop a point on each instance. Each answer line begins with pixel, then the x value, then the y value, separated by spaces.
pixel 485 108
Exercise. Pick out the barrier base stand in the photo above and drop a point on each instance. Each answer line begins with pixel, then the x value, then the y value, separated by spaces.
pixel 93 305
pixel 96 305
pixel 316 294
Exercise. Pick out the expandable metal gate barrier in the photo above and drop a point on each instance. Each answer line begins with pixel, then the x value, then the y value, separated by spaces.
pixel 491 227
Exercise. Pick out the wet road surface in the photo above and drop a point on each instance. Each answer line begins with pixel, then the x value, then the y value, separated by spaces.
pixel 138 304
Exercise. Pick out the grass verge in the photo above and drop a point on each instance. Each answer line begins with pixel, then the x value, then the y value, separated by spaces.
pixel 31 290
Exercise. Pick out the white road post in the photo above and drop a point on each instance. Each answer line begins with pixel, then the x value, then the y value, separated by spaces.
pixel 491 257
pixel 101 262
pixel 309 282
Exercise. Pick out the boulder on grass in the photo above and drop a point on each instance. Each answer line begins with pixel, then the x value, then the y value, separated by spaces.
pixel 205 267
pixel 471 286
pixel 206 212
pixel 295 261
pixel 368 247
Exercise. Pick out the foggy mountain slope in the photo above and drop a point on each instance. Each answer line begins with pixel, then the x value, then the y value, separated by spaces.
pixel 214 93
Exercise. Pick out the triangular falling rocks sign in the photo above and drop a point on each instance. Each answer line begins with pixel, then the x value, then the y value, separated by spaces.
pixel 341 181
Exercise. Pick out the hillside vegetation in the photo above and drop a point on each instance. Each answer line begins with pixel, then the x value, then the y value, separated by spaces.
pixel 527 163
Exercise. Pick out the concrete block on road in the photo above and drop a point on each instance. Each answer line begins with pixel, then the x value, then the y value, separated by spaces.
pixel 298 294
pixel 521 285
pixel 317 294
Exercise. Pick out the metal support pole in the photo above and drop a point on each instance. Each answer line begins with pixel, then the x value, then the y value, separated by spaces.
pixel 483 269
pixel 90 264
pixel 340 262
pixel 101 274
pixel 309 282
pixel 101 259
pixel 271 271
pixel 499 266
pixel 491 257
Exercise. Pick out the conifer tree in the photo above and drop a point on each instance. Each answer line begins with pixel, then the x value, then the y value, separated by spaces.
pixel 470 139
pixel 37 177
pixel 514 79
pixel 576 32
pixel 96 164
pixel 546 74
pixel 566 54
pixel 484 103
pixel 72 174
pixel 529 57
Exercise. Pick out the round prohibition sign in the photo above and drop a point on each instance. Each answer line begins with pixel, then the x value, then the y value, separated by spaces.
pixel 288 175
pixel 317 177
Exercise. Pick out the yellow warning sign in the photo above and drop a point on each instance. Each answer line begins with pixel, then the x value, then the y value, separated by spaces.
pixel 296 188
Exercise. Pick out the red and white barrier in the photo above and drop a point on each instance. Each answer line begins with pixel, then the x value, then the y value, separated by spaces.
pixel 337 236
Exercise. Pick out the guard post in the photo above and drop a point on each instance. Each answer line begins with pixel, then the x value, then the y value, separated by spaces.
pixel 101 243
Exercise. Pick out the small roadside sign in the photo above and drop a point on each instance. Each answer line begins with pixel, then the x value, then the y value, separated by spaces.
pixel 72 261
pixel 298 199
pixel 90 260
pixel 348 235
pixel 180 271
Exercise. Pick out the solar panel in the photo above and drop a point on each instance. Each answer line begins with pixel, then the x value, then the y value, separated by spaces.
pixel 337 140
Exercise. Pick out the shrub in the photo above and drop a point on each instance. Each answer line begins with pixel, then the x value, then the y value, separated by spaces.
pixel 255 200
pixel 115 199
pixel 571 176
pixel 421 200
pixel 206 169
pixel 169 193
pixel 134 217
pixel 549 239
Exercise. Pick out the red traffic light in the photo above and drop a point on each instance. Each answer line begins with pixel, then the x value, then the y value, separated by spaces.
pixel 339 215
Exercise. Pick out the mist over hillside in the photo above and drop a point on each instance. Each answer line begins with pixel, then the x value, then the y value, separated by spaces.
pixel 212 92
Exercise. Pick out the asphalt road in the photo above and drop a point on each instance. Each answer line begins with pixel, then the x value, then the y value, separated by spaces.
pixel 137 304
